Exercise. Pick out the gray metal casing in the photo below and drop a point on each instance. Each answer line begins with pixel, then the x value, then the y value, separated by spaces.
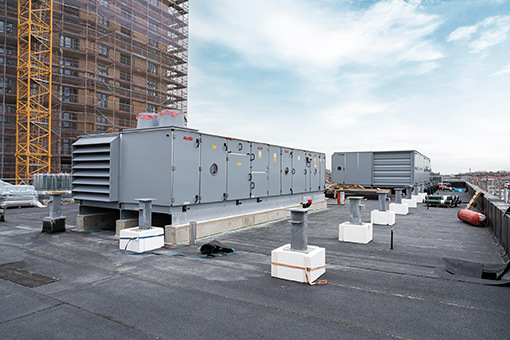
pixel 385 169
pixel 180 167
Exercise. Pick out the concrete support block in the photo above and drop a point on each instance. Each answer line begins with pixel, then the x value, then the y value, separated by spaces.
pixel 411 203
pixel 125 224
pixel 355 233
pixel 399 209
pixel 90 221
pixel 54 224
pixel 180 233
pixel 382 217
pixel 296 265
pixel 141 240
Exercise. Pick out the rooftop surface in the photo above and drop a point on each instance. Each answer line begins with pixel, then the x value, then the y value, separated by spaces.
pixel 85 287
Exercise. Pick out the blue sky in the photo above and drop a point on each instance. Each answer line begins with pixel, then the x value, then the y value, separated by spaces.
pixel 356 75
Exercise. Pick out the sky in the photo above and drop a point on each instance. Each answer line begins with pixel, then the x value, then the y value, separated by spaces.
pixel 356 75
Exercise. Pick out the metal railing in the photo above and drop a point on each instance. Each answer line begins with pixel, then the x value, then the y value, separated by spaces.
pixel 497 211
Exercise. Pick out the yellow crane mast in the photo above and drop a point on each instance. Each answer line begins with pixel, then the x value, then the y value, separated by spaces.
pixel 33 106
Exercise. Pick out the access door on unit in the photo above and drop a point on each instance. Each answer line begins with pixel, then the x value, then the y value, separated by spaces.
pixel 286 171
pixel 238 169
pixel 298 171
pixel 213 169
pixel 314 172
pixel 274 170
pixel 308 172
pixel 185 167
pixel 259 170
pixel 322 171
pixel 338 168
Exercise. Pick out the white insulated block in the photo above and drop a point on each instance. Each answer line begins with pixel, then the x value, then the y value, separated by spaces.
pixel 382 217
pixel 399 209
pixel 141 240
pixel 409 202
pixel 290 265
pixel 355 233
pixel 420 197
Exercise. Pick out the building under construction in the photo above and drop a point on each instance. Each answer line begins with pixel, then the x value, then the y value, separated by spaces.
pixel 110 60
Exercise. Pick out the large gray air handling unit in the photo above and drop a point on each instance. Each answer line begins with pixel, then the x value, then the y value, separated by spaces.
pixel 381 169
pixel 189 175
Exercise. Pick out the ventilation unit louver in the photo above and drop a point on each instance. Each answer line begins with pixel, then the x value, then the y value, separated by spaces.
pixel 95 169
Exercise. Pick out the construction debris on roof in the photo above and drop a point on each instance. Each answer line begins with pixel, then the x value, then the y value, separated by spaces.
pixel 17 195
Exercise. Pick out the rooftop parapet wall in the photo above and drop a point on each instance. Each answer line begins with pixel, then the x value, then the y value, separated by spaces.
pixel 498 215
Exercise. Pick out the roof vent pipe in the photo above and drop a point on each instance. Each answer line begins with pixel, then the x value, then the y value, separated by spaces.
pixel 409 190
pixel 382 200
pixel 398 195
pixel 355 209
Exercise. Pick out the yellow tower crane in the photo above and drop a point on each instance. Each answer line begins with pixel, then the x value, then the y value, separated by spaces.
pixel 33 111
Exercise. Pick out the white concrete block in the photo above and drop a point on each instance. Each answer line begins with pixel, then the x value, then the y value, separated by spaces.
pixel 420 197
pixel 382 217
pixel 355 233
pixel 141 240
pixel 409 202
pixel 399 209
pixel 291 265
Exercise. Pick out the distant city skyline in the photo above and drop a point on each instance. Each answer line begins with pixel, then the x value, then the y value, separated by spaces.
pixel 335 76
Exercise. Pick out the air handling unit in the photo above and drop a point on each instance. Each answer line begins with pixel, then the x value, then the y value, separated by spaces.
pixel 381 169
pixel 189 175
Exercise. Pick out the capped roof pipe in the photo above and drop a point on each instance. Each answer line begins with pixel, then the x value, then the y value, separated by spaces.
pixel 382 200
pixel 355 210
pixel 144 213
pixel 299 229
pixel 398 195
pixel 409 190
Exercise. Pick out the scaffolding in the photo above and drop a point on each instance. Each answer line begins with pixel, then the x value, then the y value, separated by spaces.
pixel 111 59
pixel 33 113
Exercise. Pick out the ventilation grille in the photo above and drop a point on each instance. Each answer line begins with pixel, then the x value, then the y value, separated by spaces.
pixel 95 167
pixel 392 168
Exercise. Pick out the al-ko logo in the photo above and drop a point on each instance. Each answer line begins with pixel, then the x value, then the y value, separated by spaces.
pixel 188 138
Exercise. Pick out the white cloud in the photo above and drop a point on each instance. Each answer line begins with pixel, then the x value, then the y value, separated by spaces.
pixel 505 70
pixel 483 35
pixel 293 33
pixel 352 113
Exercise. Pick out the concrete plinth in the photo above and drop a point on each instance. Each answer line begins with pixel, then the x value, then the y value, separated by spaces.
pixel 89 221
pixel 382 217
pixel 355 233
pixel 399 209
pixel 141 240
pixel 125 224
pixel 180 233
pixel 297 265
pixel 411 203
pixel 54 224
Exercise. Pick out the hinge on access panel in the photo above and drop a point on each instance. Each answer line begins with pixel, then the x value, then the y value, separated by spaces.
pixel 172 200
pixel 199 168
pixel 173 167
